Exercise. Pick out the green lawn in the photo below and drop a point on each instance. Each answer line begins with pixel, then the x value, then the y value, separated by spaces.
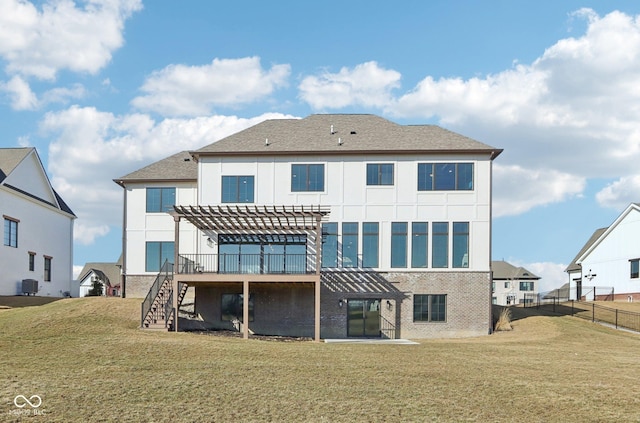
pixel 88 361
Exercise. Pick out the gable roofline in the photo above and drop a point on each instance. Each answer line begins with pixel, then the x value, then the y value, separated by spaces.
pixel 178 167
pixel 574 266
pixel 503 270
pixel 14 162
pixel 630 208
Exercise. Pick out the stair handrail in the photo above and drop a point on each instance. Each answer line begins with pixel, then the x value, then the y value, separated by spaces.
pixel 387 328
pixel 166 272
pixel 168 309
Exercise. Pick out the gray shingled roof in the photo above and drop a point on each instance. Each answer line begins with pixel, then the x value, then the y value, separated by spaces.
pixel 109 270
pixel 179 167
pixel 352 134
pixel 504 270
pixel 10 158
pixel 573 266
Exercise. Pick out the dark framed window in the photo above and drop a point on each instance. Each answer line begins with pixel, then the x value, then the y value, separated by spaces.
pixel 399 244
pixel 47 268
pixel 350 244
pixel 460 244
pixel 157 252
pixel 11 232
pixel 526 286
pixel 635 267
pixel 231 307
pixel 237 189
pixel 440 245
pixel 429 308
pixel 419 244
pixel 32 261
pixel 307 177
pixel 370 244
pixel 445 176
pixel 160 199
pixel 329 245
pixel 379 173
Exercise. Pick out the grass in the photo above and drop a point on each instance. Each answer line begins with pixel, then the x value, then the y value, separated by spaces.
pixel 88 361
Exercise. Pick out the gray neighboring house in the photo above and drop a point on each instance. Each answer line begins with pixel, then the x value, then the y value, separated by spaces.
pixel 512 285
pixel 107 274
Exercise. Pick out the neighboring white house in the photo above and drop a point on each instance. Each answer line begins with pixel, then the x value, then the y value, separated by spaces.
pixel 512 285
pixel 607 265
pixel 37 227
pixel 332 226
pixel 106 274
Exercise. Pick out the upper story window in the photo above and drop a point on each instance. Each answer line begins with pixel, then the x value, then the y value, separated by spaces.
pixel 156 254
pixel 307 177
pixel 635 267
pixel 160 199
pixel 445 176
pixel 11 232
pixel 237 189
pixel 526 286
pixel 379 173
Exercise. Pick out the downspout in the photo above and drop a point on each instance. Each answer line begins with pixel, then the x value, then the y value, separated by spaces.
pixel 123 281
pixel 490 243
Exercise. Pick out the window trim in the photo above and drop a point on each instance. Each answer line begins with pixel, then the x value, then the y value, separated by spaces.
pixel 162 194
pixel 13 243
pixel 399 245
pixel 237 193
pixel 634 273
pixel 32 261
pixel 379 182
pixel 48 270
pixel 433 180
pixel 160 263
pixel 429 312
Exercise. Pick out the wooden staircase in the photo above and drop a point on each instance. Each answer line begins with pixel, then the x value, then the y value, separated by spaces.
pixel 157 308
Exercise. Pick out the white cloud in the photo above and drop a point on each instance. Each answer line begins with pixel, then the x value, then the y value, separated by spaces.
pixel 90 148
pixel 180 90
pixel 517 189
pixel 619 194
pixel 367 85
pixel 39 42
pixel 22 98
pixel 76 271
pixel 552 275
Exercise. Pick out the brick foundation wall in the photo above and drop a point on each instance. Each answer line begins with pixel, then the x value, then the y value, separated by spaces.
pixel 137 286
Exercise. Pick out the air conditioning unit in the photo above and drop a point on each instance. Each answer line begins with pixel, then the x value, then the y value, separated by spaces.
pixel 29 286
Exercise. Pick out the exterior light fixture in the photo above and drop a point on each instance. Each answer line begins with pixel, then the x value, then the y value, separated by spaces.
pixel 340 302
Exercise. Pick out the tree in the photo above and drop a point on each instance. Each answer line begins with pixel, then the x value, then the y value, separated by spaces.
pixel 96 288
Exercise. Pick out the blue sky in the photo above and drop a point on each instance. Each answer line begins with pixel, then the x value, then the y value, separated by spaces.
pixel 104 87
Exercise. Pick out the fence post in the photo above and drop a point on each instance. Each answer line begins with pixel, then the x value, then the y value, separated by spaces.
pixel 616 318
pixel 593 312
pixel 572 307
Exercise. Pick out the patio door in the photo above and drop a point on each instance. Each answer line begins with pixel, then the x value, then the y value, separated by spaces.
pixel 363 318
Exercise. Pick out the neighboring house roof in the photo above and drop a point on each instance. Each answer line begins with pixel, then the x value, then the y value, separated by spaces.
pixel 574 266
pixel 562 292
pixel 10 160
pixel 179 167
pixel 342 134
pixel 503 270
pixel 108 272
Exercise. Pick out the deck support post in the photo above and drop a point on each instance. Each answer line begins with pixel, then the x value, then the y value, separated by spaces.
pixel 245 309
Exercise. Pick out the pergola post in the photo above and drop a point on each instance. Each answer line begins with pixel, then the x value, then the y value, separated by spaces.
pixel 317 282
pixel 174 280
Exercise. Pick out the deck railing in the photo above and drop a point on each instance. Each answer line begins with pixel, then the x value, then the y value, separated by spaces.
pixel 246 263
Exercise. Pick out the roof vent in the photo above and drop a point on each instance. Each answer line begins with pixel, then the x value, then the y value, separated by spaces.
pixel 332 131
pixel 266 142
pixel 187 159
pixel 353 132
pixel 340 141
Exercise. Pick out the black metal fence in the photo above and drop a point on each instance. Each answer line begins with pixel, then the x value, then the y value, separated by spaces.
pixel 591 311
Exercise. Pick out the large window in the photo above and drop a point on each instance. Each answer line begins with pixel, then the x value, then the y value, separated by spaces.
pixel 11 232
pixel 380 174
pixel 419 242
pixel 445 176
pixel 398 244
pixel 429 308
pixel 329 245
pixel 231 307
pixel 635 267
pixel 160 199
pixel 237 189
pixel 370 239
pixel 350 244
pixel 526 285
pixel 47 268
pixel 460 244
pixel 307 177
pixel 156 254
pixel 440 245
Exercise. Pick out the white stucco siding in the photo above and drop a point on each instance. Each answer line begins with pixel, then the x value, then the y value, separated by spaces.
pixel 352 200
pixel 609 259
pixel 43 231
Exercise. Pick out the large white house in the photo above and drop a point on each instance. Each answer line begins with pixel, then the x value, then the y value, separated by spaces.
pixel 37 228
pixel 606 267
pixel 333 226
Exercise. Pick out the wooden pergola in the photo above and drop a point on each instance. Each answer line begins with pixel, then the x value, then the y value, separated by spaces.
pixel 254 219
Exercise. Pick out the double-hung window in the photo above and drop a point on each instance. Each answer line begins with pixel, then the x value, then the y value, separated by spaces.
pixel 237 189
pixel 526 286
pixel 379 173
pixel 307 177
pixel 160 199
pixel 635 267
pixel 11 232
